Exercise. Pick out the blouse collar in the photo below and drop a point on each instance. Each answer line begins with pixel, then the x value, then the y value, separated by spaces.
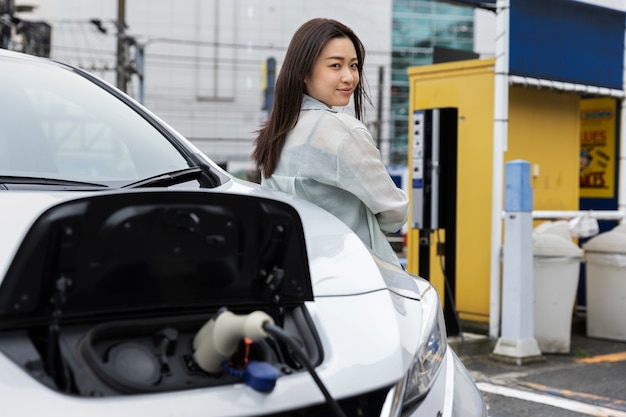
pixel 309 103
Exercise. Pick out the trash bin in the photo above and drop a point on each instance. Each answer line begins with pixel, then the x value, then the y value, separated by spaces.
pixel 605 271
pixel 557 227
pixel 556 267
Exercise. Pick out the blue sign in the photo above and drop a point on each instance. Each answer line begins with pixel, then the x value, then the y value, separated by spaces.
pixel 567 40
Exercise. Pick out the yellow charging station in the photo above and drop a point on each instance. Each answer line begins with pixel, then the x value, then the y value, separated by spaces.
pixel 543 129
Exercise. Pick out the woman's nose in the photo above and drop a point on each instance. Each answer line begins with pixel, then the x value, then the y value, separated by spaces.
pixel 347 75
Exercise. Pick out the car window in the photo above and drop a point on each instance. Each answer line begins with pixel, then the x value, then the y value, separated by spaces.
pixel 84 146
pixel 60 125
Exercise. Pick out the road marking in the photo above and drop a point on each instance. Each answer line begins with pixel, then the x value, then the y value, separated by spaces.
pixel 598 400
pixel 564 403
pixel 611 357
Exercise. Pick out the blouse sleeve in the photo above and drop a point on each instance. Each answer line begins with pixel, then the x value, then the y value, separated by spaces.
pixel 361 171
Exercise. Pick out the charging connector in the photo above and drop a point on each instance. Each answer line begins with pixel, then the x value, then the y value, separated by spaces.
pixel 218 339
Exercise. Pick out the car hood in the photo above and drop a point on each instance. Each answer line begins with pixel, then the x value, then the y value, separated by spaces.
pixel 121 249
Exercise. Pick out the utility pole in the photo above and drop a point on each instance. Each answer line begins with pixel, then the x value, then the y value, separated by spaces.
pixel 122 51
pixel 139 67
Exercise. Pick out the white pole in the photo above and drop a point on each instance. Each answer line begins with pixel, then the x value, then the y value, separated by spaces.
pixel 621 190
pixel 500 131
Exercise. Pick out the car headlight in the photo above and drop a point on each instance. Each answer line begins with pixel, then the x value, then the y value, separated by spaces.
pixel 430 352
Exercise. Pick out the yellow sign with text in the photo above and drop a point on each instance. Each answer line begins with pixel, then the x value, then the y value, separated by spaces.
pixel 597 148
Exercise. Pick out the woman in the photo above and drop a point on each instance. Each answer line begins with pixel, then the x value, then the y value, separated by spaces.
pixel 310 150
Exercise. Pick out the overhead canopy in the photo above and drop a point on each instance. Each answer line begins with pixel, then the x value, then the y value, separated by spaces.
pixel 481 4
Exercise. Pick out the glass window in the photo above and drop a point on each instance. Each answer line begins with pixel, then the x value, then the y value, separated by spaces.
pixel 418 27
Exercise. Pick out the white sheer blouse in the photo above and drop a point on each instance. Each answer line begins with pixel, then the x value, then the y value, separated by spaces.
pixel 331 160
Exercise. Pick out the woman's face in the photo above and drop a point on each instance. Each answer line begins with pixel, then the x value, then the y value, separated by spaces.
pixel 335 74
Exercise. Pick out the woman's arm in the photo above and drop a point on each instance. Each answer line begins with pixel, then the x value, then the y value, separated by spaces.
pixel 361 171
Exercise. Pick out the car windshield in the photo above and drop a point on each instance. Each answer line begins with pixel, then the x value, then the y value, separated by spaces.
pixel 57 125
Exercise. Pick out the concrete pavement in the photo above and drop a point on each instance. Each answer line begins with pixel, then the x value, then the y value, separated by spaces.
pixel 590 380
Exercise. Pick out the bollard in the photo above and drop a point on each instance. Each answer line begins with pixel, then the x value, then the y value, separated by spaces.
pixel 517 342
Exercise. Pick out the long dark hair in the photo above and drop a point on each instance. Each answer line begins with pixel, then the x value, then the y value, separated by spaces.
pixel 304 49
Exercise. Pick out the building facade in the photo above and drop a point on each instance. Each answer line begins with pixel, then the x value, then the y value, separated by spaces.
pixel 201 64
pixel 422 31
pixel 204 61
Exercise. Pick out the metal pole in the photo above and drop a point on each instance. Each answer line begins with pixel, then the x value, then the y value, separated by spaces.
pixel 500 130
pixel 140 67
pixel 122 67
pixel 621 182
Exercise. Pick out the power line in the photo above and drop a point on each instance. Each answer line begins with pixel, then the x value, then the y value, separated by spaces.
pixel 146 41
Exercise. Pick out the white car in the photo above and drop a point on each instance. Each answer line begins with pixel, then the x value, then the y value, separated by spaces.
pixel 137 278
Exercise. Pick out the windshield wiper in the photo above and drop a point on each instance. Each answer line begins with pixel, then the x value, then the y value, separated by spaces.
pixel 167 179
pixel 47 181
